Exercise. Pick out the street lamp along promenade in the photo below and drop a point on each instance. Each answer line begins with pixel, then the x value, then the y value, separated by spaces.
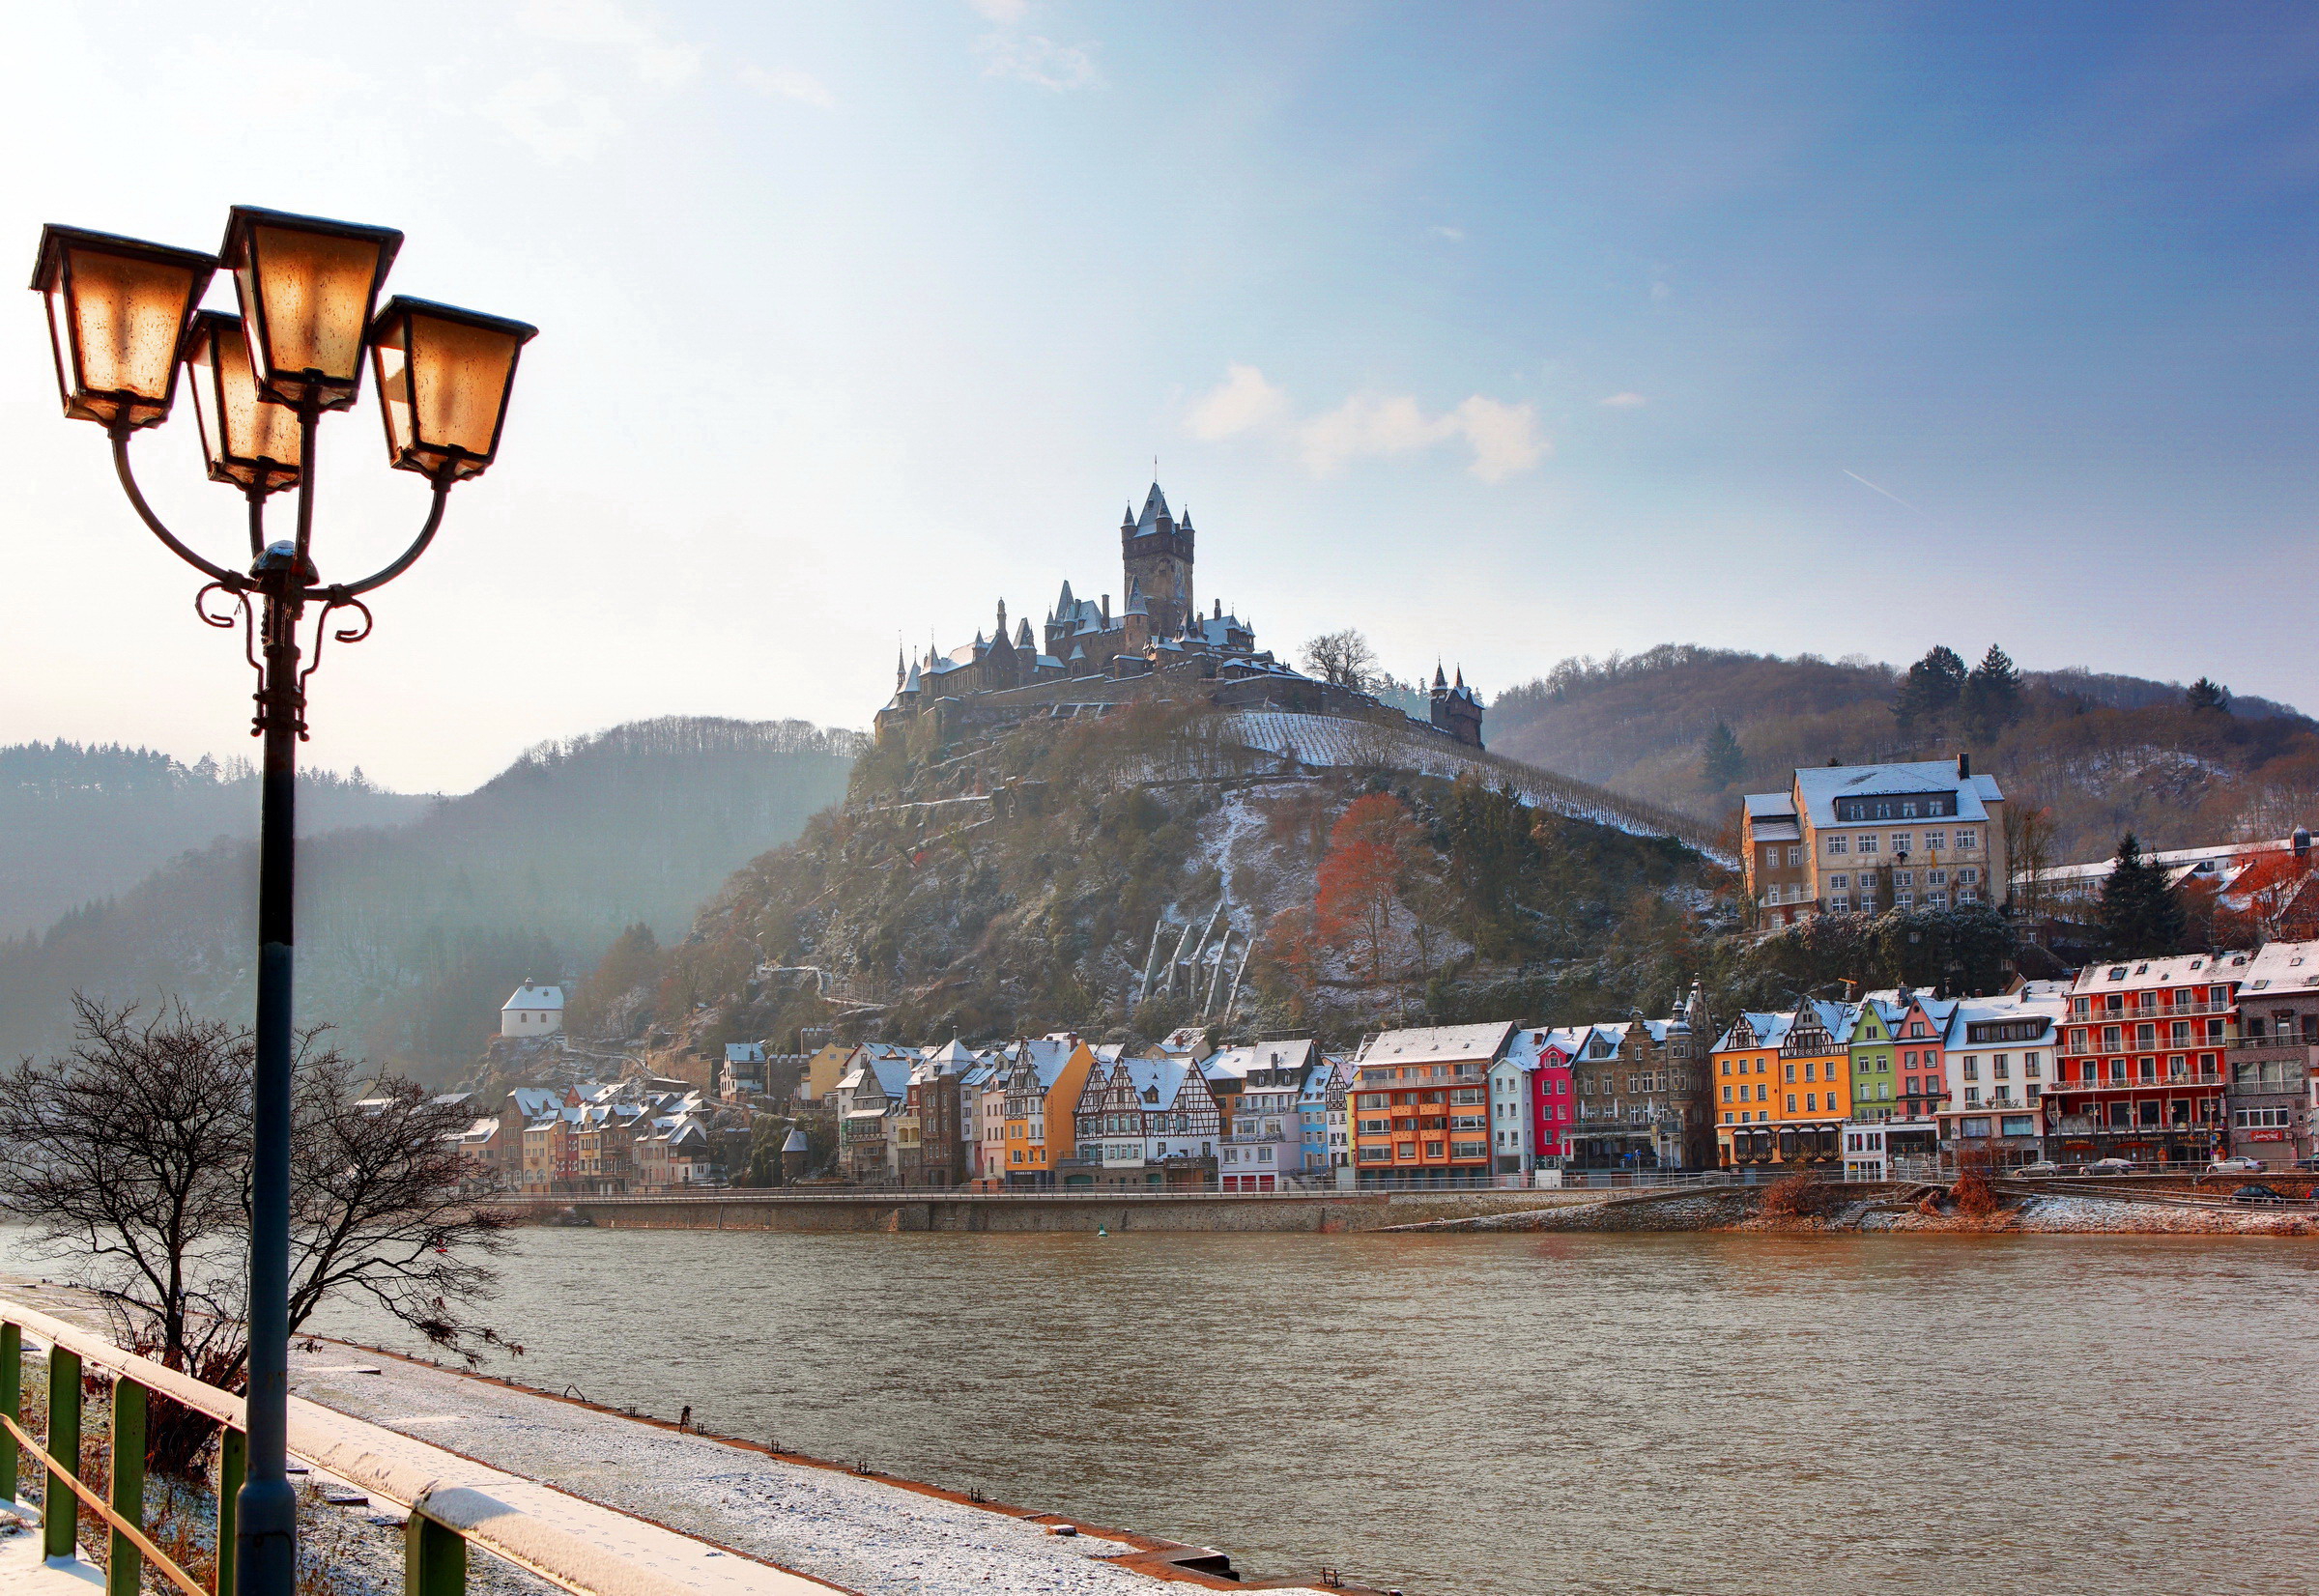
pixel 124 324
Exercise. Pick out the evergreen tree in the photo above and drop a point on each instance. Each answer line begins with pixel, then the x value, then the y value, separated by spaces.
pixel 1929 691
pixel 2139 915
pixel 1721 759
pixel 2204 694
pixel 1992 698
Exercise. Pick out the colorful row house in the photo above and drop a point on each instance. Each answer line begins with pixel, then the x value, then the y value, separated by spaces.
pixel 2140 1072
pixel 1783 1086
pixel 2274 1054
pixel 1421 1104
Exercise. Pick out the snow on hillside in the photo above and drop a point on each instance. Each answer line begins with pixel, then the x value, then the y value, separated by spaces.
pixel 1324 741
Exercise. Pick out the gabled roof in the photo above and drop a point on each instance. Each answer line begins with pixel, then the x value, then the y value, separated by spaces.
pixel 533 996
pixel 2131 975
pixel 1439 1044
pixel 1263 1055
pixel 2283 967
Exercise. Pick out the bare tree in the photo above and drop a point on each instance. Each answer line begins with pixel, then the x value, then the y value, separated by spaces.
pixel 129 1157
pixel 1343 658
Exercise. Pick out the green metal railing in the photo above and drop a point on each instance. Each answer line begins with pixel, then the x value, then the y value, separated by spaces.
pixel 575 1545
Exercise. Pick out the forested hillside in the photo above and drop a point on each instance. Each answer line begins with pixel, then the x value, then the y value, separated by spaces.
pixel 81 823
pixel 410 937
pixel 2104 753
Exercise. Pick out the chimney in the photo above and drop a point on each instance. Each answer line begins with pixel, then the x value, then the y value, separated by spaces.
pixel 1965 767
pixel 1106 611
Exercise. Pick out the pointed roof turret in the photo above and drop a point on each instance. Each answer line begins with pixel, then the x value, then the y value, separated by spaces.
pixel 1023 637
pixel 1155 511
pixel 910 683
pixel 1440 683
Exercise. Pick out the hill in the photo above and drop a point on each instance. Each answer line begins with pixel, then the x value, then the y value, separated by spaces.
pixel 1170 863
pixel 2102 753
pixel 409 936
pixel 87 823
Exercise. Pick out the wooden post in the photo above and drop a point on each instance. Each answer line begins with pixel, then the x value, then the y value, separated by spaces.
pixel 434 1558
pixel 12 1400
pixel 123 1564
pixel 60 1508
pixel 233 1463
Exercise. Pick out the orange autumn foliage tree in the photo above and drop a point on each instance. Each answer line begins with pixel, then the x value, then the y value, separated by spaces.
pixel 1372 849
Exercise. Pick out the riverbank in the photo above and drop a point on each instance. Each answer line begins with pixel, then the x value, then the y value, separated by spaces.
pixel 1895 1209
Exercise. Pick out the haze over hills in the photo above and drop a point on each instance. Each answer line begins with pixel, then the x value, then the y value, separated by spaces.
pixel 411 935
pixel 2104 752
pixel 85 823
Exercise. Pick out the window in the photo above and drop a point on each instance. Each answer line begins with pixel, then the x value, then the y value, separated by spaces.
pixel 1795 856
pixel 1791 1102
pixel 1812 1101
pixel 1903 842
pixel 1836 846
pixel 1727 1094
pixel 1967 877
pixel 1405 1150
pixel 1727 1069
pixel 1839 882
pixel 1972 1099
pixel 1999 1067
pixel 2260 1119
pixel 1936 841
pixel 1902 900
pixel 2018 1125
pixel 1808 1067
pixel 1967 842
pixel 1867 842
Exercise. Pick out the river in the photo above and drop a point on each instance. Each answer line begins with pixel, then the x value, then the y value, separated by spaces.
pixel 1518 1414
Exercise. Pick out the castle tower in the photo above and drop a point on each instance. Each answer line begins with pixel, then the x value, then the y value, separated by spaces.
pixel 1456 710
pixel 1155 549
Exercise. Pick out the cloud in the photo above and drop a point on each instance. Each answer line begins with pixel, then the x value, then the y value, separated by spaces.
pixel 790 84
pixel 1040 61
pixel 1455 235
pixel 1243 402
pixel 1628 400
pixel 547 114
pixel 1004 13
pixel 663 62
pixel 1505 437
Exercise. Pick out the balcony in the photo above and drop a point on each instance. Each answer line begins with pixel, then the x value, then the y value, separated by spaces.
pixel 2270 1044
pixel 2205 1079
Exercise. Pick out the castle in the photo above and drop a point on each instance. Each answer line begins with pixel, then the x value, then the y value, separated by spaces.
pixel 1087 658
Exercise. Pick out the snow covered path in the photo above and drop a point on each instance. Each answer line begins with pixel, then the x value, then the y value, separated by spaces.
pixel 865 1535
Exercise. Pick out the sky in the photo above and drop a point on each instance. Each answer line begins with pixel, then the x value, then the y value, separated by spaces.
pixel 1503 333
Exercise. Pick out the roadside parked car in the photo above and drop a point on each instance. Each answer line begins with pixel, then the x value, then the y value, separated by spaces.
pixel 2112 1166
pixel 2309 1163
pixel 2256 1194
pixel 2041 1166
pixel 2242 1161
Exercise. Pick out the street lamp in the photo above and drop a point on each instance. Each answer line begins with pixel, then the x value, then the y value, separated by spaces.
pixel 123 323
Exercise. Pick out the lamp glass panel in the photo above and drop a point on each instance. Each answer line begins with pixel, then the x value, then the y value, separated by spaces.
pixel 460 374
pixel 248 440
pixel 391 362
pixel 126 315
pixel 311 293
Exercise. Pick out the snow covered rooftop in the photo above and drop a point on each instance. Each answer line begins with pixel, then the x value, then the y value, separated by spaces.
pixel 532 996
pixel 2285 967
pixel 1438 1044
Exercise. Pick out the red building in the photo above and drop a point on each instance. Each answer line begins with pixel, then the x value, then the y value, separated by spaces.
pixel 1551 1102
pixel 2140 1074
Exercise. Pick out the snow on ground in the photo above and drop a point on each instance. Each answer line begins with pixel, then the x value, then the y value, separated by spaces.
pixel 865 1535
pixel 1324 741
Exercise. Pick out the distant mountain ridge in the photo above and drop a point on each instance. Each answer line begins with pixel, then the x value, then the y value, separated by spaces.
pixel 86 821
pixel 410 935
pixel 2104 752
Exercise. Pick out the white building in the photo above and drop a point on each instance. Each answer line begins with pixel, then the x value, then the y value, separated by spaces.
pixel 533 1010
pixel 1264 1141
pixel 1514 1145
pixel 2000 1055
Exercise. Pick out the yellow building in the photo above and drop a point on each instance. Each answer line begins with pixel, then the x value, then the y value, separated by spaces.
pixel 1045 1076
pixel 822 1072
pixel 1783 1086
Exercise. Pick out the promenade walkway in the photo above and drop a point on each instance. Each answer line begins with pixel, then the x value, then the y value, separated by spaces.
pixel 861 1533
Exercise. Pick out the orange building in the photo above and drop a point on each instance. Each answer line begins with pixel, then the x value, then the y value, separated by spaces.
pixel 1045 1076
pixel 1421 1104
pixel 1783 1086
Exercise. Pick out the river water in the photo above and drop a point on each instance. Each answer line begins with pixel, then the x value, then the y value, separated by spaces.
pixel 1512 1413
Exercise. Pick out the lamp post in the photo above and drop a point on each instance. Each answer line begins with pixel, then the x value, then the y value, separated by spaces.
pixel 124 324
